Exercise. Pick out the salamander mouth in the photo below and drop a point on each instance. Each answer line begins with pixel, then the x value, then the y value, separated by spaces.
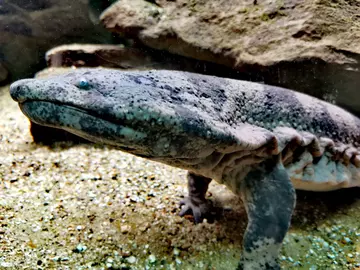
pixel 88 125
pixel 72 107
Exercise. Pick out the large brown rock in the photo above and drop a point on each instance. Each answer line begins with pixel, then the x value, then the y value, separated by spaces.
pixel 309 46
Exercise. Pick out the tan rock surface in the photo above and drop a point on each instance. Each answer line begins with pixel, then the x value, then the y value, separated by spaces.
pixel 242 33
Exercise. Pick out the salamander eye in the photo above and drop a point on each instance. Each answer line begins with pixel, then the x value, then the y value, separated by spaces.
pixel 83 83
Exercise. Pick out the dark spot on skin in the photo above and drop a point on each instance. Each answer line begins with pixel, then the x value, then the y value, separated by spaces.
pixel 142 80
pixel 205 95
pixel 176 99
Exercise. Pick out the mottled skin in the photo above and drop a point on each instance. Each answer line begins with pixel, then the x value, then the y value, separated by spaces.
pixel 259 140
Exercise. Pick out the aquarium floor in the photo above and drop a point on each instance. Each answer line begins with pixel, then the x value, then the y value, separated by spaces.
pixel 89 207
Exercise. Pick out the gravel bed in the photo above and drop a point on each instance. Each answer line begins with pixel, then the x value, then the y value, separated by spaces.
pixel 90 207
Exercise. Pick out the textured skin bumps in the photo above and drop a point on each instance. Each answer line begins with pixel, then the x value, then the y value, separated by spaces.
pixel 259 140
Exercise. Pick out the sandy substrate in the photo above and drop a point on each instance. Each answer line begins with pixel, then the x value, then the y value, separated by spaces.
pixel 89 207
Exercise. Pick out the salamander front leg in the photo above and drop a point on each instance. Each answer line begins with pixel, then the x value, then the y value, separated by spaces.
pixel 269 199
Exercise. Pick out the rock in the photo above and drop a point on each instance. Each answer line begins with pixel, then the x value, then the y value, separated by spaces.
pixel 111 56
pixel 29 28
pixel 90 55
pixel 131 17
pixel 121 57
pixel 52 71
pixel 125 229
pixel 309 46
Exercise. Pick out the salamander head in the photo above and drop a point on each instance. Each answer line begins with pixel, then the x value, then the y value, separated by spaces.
pixel 133 111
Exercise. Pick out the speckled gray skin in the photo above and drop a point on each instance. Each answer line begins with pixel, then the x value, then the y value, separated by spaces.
pixel 260 141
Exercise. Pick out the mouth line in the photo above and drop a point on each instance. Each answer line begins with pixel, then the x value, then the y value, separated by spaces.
pixel 81 111
pixel 116 121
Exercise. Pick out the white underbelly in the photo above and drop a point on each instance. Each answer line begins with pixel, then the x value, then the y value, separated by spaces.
pixel 325 175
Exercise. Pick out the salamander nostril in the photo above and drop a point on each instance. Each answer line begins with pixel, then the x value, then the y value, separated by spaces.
pixel 19 90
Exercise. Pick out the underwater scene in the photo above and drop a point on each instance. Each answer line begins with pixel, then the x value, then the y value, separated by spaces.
pixel 179 134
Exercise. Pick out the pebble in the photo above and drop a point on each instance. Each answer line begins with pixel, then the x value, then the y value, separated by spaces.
pixel 125 229
pixel 176 252
pixel 6 264
pixel 331 256
pixel 152 259
pixel 80 248
pixel 347 239
pixel 131 259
